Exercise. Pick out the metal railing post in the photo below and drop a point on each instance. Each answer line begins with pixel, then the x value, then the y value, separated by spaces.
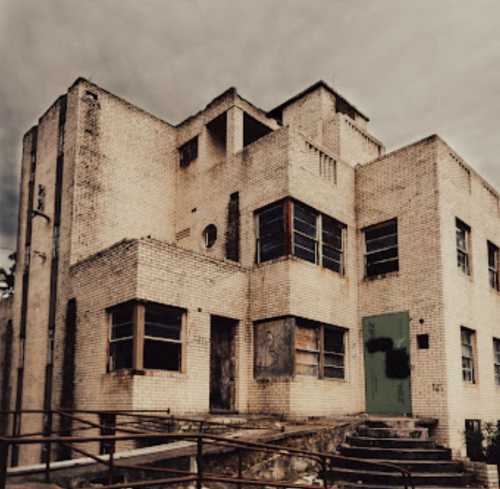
pixel 199 463
pixel 323 468
pixel 48 446
pixel 240 468
pixel 4 454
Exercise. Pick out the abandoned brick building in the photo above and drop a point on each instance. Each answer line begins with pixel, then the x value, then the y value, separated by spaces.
pixel 253 262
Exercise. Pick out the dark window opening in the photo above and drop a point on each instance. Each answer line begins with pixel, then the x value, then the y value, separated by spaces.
pixel 344 107
pixel 160 337
pixel 188 152
pixel 233 228
pixel 121 337
pixel 496 360
pixel 381 248
pixel 474 439
pixel 253 129
pixel 463 239
pixel 217 136
pixel 210 235
pixel 319 349
pixel 290 227
pixel 493 265
pixel 468 355
pixel 423 341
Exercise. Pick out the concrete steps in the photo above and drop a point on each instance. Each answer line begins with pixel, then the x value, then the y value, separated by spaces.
pixel 402 443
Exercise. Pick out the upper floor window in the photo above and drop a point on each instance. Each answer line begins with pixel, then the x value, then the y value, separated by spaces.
pixel 319 349
pixel 156 331
pixel 468 355
pixel 290 227
pixel 493 265
pixel 188 152
pixel 496 359
pixel 381 248
pixel 463 245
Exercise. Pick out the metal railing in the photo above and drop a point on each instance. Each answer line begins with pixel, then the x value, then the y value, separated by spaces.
pixel 204 444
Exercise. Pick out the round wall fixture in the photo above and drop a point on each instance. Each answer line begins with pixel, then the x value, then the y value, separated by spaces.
pixel 210 235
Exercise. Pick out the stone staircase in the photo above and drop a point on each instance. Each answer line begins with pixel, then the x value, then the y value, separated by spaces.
pixel 400 442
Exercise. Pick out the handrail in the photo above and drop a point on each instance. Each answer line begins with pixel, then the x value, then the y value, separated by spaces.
pixel 200 438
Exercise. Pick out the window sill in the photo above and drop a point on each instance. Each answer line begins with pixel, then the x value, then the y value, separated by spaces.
pixel 381 276
pixel 130 372
pixel 300 260
pixel 327 379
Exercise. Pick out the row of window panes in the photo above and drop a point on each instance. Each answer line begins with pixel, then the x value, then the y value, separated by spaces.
pixel 468 356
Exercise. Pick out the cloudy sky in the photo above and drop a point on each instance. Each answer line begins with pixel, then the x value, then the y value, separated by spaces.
pixel 415 67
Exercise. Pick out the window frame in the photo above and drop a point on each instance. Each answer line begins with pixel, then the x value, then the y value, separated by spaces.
pixel 290 232
pixel 469 373
pixel 321 353
pixel 496 361
pixel 139 337
pixel 368 253
pixel 493 269
pixel 463 251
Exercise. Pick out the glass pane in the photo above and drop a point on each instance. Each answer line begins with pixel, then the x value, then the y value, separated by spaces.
pixel 162 355
pixel 380 243
pixel 163 322
pixel 334 340
pixel 122 331
pixel 331 264
pixel 121 354
pixel 334 372
pixel 380 230
pixel 381 255
pixel 304 214
pixel 383 267
pixel 123 314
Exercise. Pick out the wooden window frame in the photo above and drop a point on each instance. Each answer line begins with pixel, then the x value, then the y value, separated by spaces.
pixel 138 337
pixel 463 246
pixel 493 268
pixel 496 360
pixel 469 373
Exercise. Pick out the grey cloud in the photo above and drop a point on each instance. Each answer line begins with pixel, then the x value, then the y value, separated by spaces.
pixel 414 67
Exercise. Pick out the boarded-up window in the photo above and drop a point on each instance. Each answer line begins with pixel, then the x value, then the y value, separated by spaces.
pixel 381 248
pixel 188 152
pixel 307 350
pixel 273 346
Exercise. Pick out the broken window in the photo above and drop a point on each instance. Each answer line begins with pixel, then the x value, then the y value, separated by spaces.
pixel 162 337
pixel 493 265
pixel 468 355
pixel 496 359
pixel 121 337
pixel 156 330
pixel 319 349
pixel 290 227
pixel 463 237
pixel 332 244
pixel 188 152
pixel 381 248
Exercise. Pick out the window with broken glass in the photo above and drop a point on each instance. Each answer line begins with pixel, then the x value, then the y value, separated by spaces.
pixel 468 354
pixel 496 360
pixel 289 227
pixel 188 152
pixel 381 248
pixel 463 237
pixel 493 265
pixel 145 336
pixel 319 350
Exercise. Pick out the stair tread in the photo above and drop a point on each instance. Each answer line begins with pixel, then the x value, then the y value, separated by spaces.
pixel 399 461
pixel 413 474
pixel 393 449
pixel 381 486
pixel 375 439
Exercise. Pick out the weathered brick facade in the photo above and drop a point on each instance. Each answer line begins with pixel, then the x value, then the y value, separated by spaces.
pixel 120 221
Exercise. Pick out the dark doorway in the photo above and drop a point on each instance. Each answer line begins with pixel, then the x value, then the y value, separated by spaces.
pixel 222 363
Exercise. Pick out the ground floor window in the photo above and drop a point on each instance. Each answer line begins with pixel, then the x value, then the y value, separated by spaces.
pixel 320 349
pixel 145 336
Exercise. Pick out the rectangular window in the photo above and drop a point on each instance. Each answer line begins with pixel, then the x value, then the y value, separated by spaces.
pixel 332 244
pixel 468 355
pixel 162 337
pixel 474 439
pixel 319 350
pixel 496 360
pixel 381 248
pixel 290 227
pixel 463 238
pixel 493 265
pixel 121 337
pixel 305 232
pixel 188 152
pixel 146 336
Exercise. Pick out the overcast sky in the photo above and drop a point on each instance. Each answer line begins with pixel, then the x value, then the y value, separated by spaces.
pixel 414 67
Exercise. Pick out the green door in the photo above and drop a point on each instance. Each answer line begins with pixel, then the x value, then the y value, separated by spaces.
pixel 387 363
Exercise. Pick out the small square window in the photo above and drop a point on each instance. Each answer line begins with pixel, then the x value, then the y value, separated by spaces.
pixel 423 341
